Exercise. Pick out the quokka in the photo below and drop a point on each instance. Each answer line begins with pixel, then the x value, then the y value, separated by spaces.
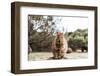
pixel 59 46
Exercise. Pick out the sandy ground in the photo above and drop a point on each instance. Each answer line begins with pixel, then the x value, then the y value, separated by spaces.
pixel 47 55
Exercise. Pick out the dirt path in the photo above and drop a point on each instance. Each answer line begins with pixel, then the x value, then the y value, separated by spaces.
pixel 47 55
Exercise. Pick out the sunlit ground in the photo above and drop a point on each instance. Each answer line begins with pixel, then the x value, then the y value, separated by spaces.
pixel 47 55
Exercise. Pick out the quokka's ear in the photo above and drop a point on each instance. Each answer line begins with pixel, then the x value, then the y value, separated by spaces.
pixel 61 33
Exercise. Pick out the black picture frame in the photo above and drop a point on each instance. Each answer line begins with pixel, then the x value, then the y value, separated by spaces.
pixel 15 37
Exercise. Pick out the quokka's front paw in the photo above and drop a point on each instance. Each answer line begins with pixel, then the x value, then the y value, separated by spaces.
pixel 54 58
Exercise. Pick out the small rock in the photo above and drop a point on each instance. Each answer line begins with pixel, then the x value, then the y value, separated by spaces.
pixel 69 50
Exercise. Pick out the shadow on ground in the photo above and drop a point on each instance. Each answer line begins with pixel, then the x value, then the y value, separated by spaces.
pixel 52 58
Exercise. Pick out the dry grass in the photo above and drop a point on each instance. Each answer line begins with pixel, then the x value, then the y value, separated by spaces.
pixel 48 55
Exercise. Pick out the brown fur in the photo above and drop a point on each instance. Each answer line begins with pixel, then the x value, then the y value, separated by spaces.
pixel 60 52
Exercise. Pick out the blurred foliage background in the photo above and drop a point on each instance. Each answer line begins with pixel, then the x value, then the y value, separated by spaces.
pixel 41 32
pixel 78 40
